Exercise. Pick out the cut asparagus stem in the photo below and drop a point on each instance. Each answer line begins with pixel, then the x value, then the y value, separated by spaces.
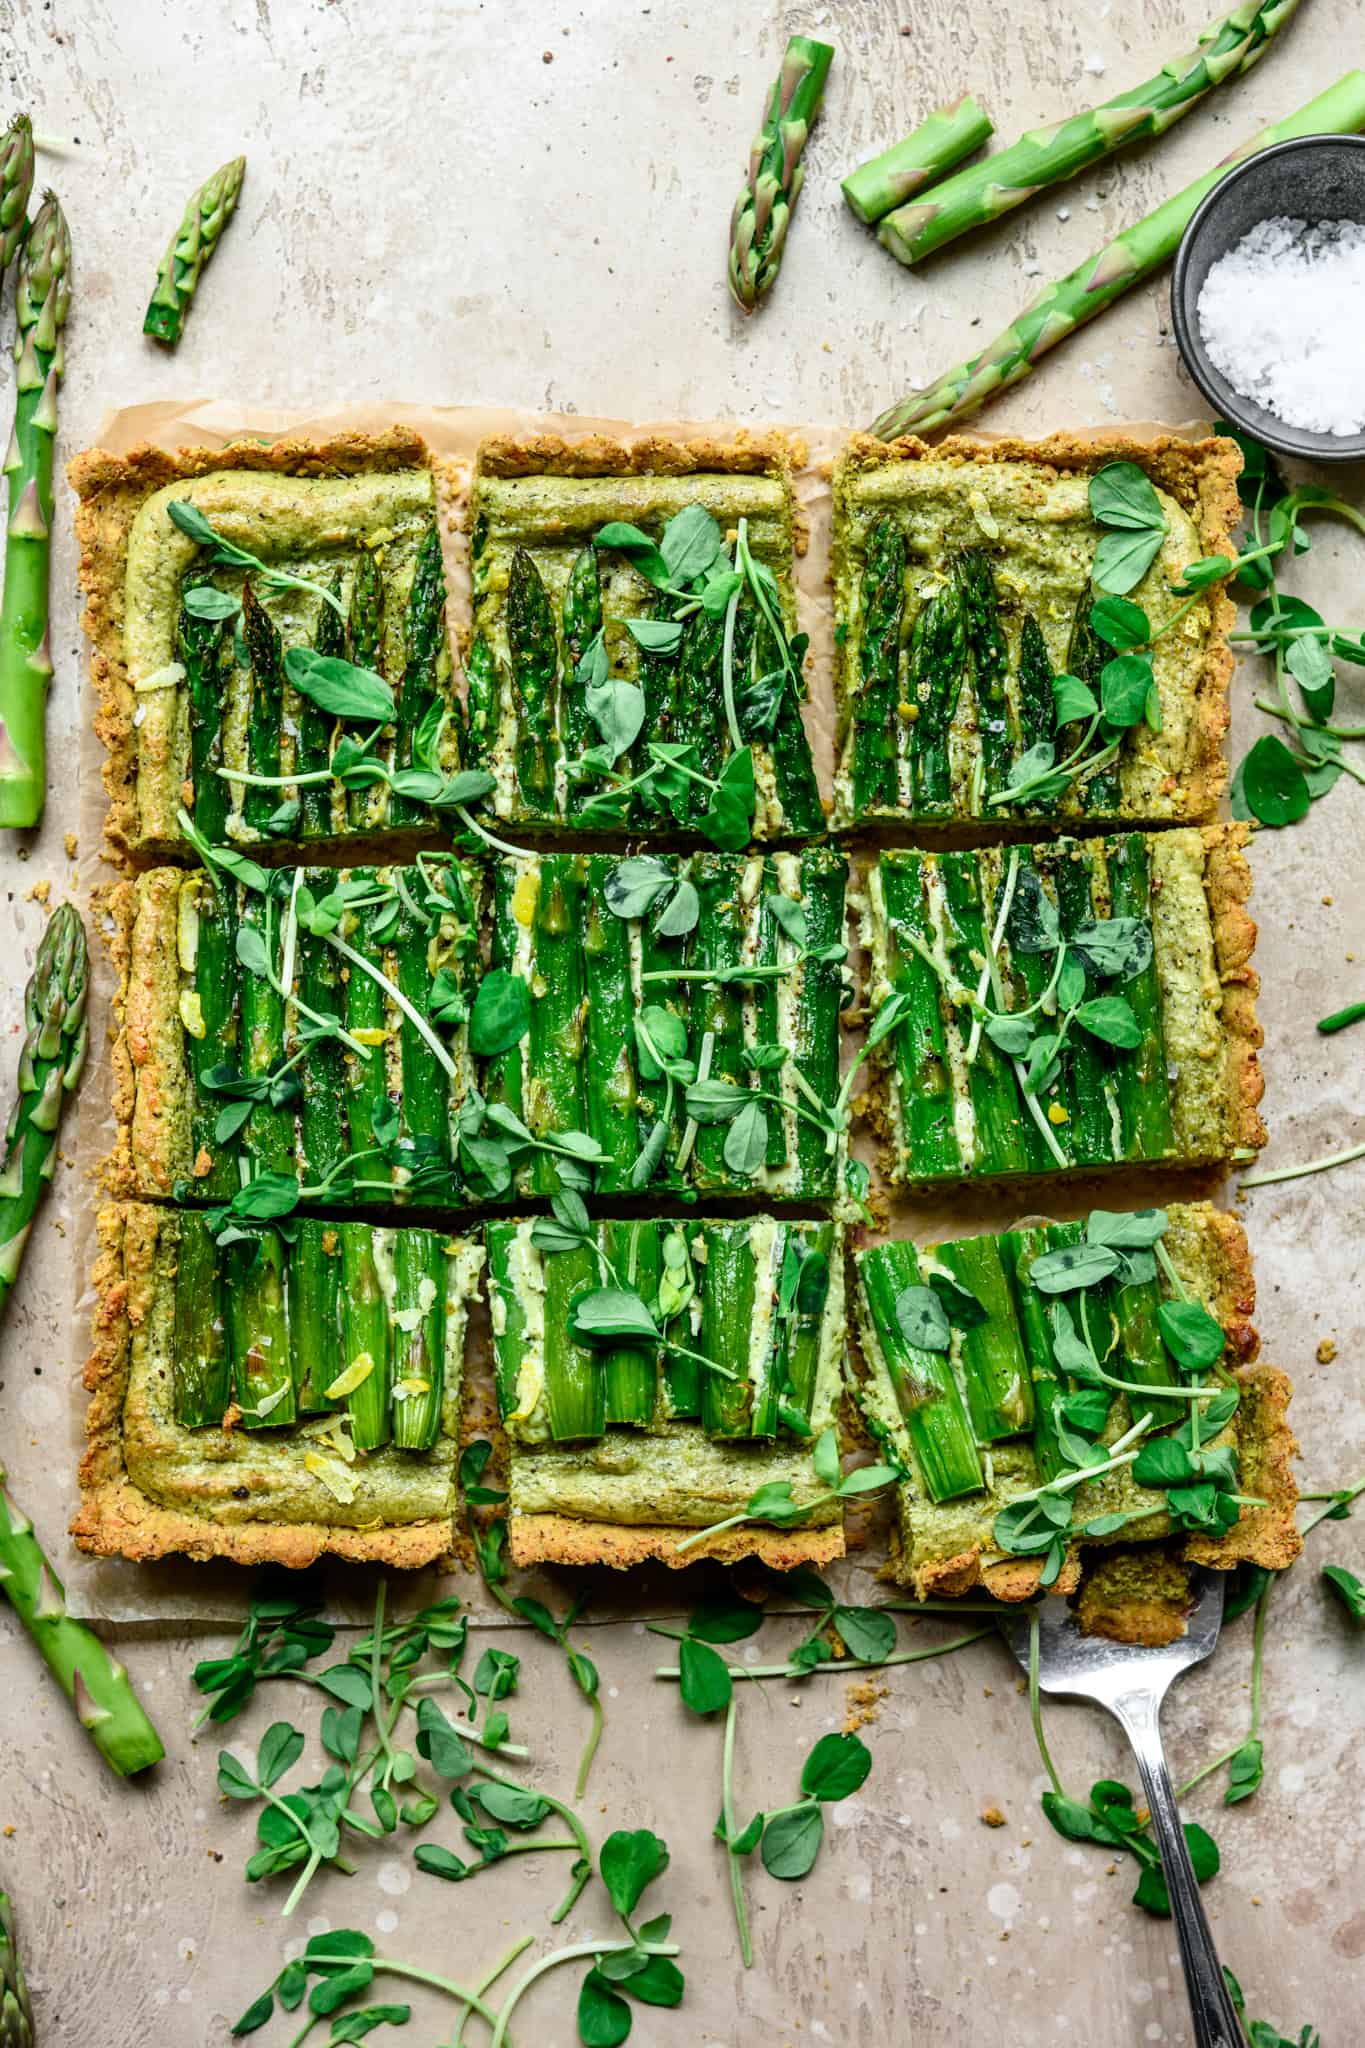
pixel 659 679
pixel 631 1371
pixel 418 1374
pixel 316 731
pixel 1086 657
pixel 729 1308
pixel 772 949
pixel 575 1384
pixel 926 1391
pixel 1037 706
pixel 942 139
pixel 426 1093
pixel 920 1042
pixel 1029 977
pixel 803 1351
pixel 582 621
pixel 699 717
pixel 202 1372
pixel 1019 1250
pixel 534 652
pixel 937 661
pixel 656 954
pixel 1094 1130
pixel 718 1009
pixel 199 645
pixel 990 665
pixel 516 891
pixel 315 1314
pixel 367 1020
pixel 1144 1357
pixel 682 1376
pixel 212 915
pixel 269 1132
pixel 554 1093
pixel 876 737
pixel 1144 1090
pixel 999 1393
pixel 483 700
pixel 258 1324
pixel 426 660
pixel 364 646
pixel 609 1067
pixel 997 1114
pixel 322 1071
pixel 265 714
pixel 798 792
pixel 365 1333
pixel 510 1335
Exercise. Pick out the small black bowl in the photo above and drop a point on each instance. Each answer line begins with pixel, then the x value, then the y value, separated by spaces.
pixel 1317 177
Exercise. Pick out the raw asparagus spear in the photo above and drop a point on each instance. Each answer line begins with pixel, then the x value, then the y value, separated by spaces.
pixel 51 1060
pixel 202 1385
pixel 990 665
pixel 1048 156
pixel 42 295
pixel 534 652
pixel 315 1314
pixel 1037 707
pixel 364 646
pixel 575 1383
pixel 269 1132
pixel 258 1327
pixel 1144 1097
pixel 919 1046
pixel 631 1371
pixel 199 646
pixel 316 728
pixel 877 726
pixel 942 139
pixel 609 1052
pixel 937 656
pixel 16 183
pixel 926 1391
pixel 582 620
pixel 211 913
pixel 265 716
pixel 717 1007
pixel 1097 1070
pixel 729 1305
pixel 762 214
pixel 193 243
pixel 16 2014
pixel 999 1394
pixel 418 1375
pixel 426 656
pixel 997 1114
pixel 558 1011
pixel 365 1334
pixel 1102 278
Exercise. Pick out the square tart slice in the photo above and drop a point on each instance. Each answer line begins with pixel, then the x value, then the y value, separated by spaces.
pixel 963 587
pixel 292 1394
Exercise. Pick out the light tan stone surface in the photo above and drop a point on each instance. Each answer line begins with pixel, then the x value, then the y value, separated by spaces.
pixel 433 212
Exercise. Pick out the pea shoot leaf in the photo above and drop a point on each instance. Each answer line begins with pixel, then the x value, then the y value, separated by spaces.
pixel 1348 1589
pixel 501 1015
pixel 630 1860
pixel 1272 783
pixel 791 1841
pixel 922 1319
pixel 704 1680
pixel 1151 1893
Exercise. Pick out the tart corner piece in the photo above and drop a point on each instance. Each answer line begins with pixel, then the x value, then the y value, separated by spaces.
pixel 242 1484
pixel 962 578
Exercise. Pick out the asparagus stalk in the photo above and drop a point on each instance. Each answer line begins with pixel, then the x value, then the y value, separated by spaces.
pixel 1144 1357
pixel 1144 1091
pixel 1095 1073
pixel 199 647
pixel 16 2014
pixel 534 651
pixel 202 1380
pixel 193 243
pixel 483 696
pixel 762 214
pixel 803 1347
pixel 16 183
pixel 999 1392
pixel 1028 978
pixel 1086 656
pixel 937 660
pixel 1019 1250
pixel 208 909
pixel 509 1312
pixel 516 892
pixel 582 621
pixel 875 741
pixel 558 1010
pixel 426 658
pixel 631 1371
pixel 323 1114
pixel 316 728
pixel 315 1313
pixel 42 296
pixel 426 1093
pixel 942 139
pixel 258 1328
pixel 770 1381
pixel 997 1114
pixel 659 677
pixel 990 664
pixel 729 1397
pixel 798 792
pixel 773 949
pixel 419 1300
pixel 51 1060
pixel 1047 156
pixel 269 1132
pixel 265 715
pixel 717 1007
pixel 364 646
pixel 609 1066
pixel 365 1334
pixel 575 1383
pixel 1102 278
pixel 677 1284
pixel 699 714
pixel 926 1391
pixel 919 1046
pixel 657 954
pixel 1037 707
pixel 367 1020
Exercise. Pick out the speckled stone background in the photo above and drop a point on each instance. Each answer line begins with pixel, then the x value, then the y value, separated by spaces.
pixel 525 204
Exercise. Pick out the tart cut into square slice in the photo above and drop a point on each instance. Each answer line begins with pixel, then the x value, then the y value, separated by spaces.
pixel 1064 1386
pixel 232 594
pixel 304 1025
pixel 964 580
pixel 655 1378
pixel 277 1396
pixel 1078 1005
pixel 634 663
pixel 682 1012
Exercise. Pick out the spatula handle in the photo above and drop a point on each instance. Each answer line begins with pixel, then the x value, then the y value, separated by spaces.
pixel 1215 2018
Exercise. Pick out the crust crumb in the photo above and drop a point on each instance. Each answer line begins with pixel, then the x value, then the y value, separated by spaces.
pixel 863 1705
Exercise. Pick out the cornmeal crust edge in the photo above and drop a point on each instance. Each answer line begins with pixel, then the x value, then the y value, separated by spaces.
pixel 1201 476
pixel 116 1519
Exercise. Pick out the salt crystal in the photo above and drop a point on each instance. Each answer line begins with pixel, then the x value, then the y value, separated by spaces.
pixel 1281 316
pixel 1095 66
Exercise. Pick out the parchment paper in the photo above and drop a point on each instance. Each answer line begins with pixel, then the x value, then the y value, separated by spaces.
pixel 177 1590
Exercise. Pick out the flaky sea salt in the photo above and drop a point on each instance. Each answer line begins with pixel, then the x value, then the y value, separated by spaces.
pixel 1282 316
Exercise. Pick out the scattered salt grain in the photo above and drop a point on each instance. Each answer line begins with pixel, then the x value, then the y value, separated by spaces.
pixel 1281 316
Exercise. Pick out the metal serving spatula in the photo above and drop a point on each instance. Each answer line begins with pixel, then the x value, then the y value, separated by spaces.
pixel 1130 1683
